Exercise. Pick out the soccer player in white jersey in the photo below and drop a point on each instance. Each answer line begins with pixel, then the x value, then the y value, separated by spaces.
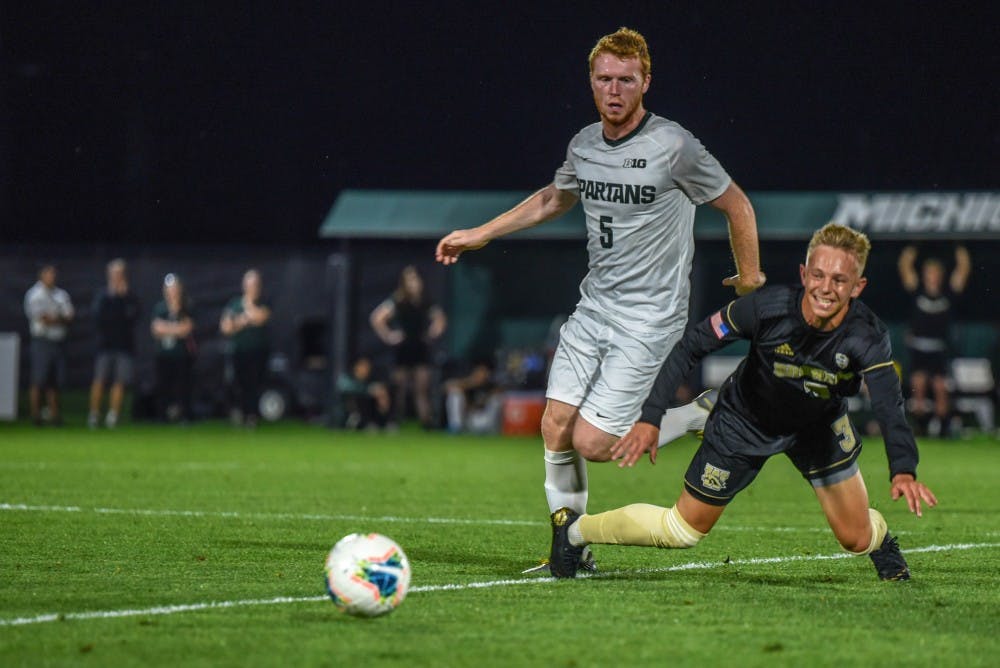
pixel 639 177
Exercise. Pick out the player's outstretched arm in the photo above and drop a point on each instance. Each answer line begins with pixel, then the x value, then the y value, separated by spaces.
pixel 963 267
pixel 907 266
pixel 906 486
pixel 642 437
pixel 544 205
pixel 734 204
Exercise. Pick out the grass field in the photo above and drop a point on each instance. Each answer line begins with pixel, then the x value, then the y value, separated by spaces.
pixel 204 546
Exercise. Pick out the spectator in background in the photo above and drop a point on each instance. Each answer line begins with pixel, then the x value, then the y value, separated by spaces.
pixel 366 401
pixel 172 329
pixel 928 335
pixel 116 311
pixel 410 322
pixel 473 402
pixel 49 311
pixel 244 320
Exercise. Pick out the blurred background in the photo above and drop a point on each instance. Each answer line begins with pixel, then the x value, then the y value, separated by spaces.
pixel 329 146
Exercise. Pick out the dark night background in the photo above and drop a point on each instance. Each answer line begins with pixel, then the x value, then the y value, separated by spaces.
pixel 183 121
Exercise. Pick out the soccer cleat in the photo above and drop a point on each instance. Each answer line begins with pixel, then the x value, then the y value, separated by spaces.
pixel 564 557
pixel 707 399
pixel 889 561
pixel 587 563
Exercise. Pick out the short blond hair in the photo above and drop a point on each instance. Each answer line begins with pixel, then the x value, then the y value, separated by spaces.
pixel 624 43
pixel 845 238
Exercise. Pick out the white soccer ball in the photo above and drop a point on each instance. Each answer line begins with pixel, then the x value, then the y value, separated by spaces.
pixel 367 575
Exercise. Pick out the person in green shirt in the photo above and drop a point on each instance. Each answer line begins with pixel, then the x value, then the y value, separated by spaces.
pixel 172 328
pixel 244 321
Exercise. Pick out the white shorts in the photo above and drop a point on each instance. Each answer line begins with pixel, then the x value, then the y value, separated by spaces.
pixel 606 371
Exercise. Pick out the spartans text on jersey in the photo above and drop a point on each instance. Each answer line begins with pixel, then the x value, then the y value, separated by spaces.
pixel 617 193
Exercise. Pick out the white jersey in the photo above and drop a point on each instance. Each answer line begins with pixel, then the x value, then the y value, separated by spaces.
pixel 42 301
pixel 639 195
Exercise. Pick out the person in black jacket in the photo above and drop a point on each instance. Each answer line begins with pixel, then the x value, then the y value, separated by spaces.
pixel 927 336
pixel 810 348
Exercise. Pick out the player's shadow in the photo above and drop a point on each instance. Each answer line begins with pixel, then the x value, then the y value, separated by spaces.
pixel 724 575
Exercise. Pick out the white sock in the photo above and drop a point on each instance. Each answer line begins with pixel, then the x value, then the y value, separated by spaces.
pixel 575 535
pixel 455 409
pixel 679 421
pixel 565 481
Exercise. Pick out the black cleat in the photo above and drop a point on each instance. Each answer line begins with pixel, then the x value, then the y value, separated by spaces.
pixel 889 561
pixel 564 557
pixel 587 563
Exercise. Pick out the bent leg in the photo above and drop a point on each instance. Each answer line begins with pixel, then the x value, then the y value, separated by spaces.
pixel 646 525
pixel 858 528
pixel 593 444
pixel 565 470
pixel 687 419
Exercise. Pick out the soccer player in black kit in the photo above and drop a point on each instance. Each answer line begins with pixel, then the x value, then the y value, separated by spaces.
pixel 810 348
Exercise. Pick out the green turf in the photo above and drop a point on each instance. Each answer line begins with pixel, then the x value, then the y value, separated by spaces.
pixel 174 516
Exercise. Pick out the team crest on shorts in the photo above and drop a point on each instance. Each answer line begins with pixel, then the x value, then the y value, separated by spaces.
pixel 714 478
pixel 841 360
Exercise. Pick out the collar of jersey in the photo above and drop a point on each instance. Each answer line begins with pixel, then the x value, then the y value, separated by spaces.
pixel 638 129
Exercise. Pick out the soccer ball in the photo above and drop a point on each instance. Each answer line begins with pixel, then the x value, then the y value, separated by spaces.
pixel 367 575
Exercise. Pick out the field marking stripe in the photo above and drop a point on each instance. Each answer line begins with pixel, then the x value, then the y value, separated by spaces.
pixel 259 516
pixel 14 507
pixel 215 605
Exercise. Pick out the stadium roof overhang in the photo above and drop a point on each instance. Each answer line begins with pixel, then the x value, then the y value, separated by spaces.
pixel 429 214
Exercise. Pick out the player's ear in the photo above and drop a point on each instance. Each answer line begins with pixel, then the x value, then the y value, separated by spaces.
pixel 645 83
pixel 802 273
pixel 859 286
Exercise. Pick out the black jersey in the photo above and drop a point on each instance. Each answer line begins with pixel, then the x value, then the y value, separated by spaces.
pixel 931 320
pixel 794 376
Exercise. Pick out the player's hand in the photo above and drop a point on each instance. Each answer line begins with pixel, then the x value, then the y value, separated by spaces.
pixel 904 485
pixel 642 437
pixel 453 245
pixel 744 286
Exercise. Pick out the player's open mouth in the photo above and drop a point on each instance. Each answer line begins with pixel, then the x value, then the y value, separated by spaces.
pixel 823 303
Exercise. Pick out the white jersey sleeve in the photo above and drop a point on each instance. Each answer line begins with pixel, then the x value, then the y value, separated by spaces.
pixel 697 172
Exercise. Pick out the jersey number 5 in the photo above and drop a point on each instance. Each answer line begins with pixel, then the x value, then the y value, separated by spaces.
pixel 607 234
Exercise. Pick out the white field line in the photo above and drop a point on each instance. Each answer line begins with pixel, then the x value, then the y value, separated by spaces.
pixel 216 605
pixel 152 512
pixel 263 516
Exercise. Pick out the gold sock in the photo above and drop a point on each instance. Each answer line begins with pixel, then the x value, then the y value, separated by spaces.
pixel 879 530
pixel 639 524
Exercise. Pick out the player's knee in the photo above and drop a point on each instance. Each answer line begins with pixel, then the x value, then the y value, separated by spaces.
pixel 869 539
pixel 855 544
pixel 593 449
pixel 557 431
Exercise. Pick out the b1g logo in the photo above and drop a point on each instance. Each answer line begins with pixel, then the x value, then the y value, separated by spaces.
pixel 634 163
